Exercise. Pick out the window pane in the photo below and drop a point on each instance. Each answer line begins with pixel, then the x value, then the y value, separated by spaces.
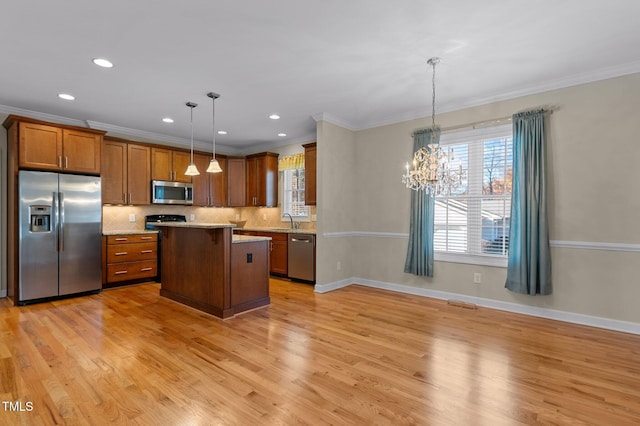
pixel 293 197
pixel 459 157
pixel 497 166
pixel 474 220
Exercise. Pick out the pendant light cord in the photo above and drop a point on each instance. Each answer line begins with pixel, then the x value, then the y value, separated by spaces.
pixel 191 107
pixel 213 120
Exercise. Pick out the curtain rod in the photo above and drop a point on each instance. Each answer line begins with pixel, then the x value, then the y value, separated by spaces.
pixel 477 124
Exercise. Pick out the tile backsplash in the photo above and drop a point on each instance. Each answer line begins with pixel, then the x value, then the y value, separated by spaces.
pixel 117 218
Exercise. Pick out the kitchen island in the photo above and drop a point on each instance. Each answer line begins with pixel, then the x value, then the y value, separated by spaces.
pixel 208 268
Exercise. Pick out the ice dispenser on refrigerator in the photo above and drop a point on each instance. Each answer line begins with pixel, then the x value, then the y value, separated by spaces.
pixel 40 218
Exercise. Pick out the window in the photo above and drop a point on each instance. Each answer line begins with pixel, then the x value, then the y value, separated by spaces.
pixel 472 224
pixel 293 197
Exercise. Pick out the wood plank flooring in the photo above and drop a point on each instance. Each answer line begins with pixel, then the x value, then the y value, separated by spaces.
pixel 356 356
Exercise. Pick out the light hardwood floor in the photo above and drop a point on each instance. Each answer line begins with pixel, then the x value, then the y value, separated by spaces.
pixel 356 356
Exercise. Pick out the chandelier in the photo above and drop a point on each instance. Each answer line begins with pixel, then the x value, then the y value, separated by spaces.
pixel 433 170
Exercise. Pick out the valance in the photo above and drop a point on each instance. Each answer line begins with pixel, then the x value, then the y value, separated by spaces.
pixel 295 161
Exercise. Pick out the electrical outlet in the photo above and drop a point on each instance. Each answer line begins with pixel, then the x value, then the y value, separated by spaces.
pixel 192 217
pixel 314 218
pixel 339 265
pixel 237 216
pixel 132 217
pixel 477 278
pixel 264 216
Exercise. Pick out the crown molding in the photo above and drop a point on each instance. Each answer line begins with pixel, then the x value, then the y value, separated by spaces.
pixel 323 116
pixel 560 83
pixel 5 109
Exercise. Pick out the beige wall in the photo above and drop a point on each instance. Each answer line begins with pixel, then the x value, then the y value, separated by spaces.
pixel 593 158
pixel 337 210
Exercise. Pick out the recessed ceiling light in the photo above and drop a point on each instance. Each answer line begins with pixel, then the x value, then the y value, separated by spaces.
pixel 167 120
pixel 282 135
pixel 104 63
pixel 274 116
pixel 222 132
pixel 66 96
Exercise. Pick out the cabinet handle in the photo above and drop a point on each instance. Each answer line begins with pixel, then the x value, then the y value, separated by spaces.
pixel 146 238
pixel 60 161
pixel 66 162
pixel 145 269
pixel 146 251
pixel 121 272
pixel 122 239
pixel 121 253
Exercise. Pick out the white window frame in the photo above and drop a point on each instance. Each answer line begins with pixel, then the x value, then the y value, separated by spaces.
pixel 476 172
pixel 287 196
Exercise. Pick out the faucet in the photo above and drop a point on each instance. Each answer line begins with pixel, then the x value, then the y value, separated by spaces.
pixel 290 218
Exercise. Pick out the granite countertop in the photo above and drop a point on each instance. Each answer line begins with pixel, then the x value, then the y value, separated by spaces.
pixel 202 225
pixel 248 239
pixel 279 230
pixel 130 232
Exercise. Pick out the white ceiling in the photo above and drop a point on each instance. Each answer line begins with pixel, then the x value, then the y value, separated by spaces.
pixel 361 63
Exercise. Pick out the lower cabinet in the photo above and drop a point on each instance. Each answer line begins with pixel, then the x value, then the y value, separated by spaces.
pixel 130 257
pixel 277 248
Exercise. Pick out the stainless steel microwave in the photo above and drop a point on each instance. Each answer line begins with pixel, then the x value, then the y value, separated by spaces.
pixel 164 192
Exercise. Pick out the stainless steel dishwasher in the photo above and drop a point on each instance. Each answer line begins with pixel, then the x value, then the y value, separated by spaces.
pixel 302 257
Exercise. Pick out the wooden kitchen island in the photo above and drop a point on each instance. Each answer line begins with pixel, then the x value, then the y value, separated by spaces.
pixel 205 266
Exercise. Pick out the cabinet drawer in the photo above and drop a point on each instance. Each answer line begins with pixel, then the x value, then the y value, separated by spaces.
pixel 133 238
pixel 131 270
pixel 275 236
pixel 132 252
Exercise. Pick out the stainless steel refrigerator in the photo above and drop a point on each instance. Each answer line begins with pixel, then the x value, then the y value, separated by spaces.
pixel 60 235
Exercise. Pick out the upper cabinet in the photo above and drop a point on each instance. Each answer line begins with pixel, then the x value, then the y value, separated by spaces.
pixel 169 164
pixel 310 174
pixel 209 189
pixel 126 173
pixel 262 180
pixel 47 146
pixel 236 182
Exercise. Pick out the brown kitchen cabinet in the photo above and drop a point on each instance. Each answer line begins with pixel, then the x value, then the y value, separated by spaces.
pixel 310 174
pixel 209 189
pixel 130 257
pixel 278 248
pixel 169 165
pixel 126 172
pixel 236 182
pixel 47 146
pixel 262 180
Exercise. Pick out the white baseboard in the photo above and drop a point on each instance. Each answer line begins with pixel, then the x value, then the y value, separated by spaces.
pixel 570 317
pixel 325 288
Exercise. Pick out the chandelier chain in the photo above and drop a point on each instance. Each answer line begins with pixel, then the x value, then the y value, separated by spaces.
pixel 433 63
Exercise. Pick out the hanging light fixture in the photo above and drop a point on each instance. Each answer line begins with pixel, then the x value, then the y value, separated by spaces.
pixel 214 166
pixel 192 170
pixel 433 170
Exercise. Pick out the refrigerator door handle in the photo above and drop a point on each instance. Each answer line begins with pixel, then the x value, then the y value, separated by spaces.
pixel 61 210
pixel 56 218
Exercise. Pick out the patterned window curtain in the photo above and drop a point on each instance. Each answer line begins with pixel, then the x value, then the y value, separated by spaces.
pixel 295 161
pixel 529 263
pixel 421 229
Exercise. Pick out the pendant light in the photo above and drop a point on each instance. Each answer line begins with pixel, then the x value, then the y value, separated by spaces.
pixel 214 166
pixel 192 170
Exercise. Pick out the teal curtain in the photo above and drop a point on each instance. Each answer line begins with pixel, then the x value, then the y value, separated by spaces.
pixel 420 251
pixel 529 263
